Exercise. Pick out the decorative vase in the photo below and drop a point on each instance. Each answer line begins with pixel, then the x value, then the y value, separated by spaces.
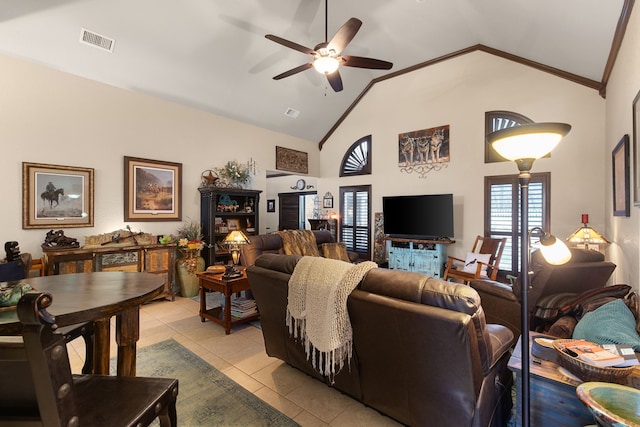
pixel 187 266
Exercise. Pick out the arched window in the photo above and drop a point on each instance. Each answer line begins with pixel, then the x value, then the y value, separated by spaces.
pixel 497 120
pixel 357 160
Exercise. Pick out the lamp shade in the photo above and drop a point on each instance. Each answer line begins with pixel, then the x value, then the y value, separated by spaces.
pixel 236 237
pixel 587 235
pixel 554 251
pixel 527 141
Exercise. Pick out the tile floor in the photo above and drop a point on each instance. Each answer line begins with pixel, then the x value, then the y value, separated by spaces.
pixel 242 357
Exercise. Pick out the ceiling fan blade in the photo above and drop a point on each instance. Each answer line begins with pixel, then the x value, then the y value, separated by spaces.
pixel 293 71
pixel 361 62
pixel 335 80
pixel 344 35
pixel 290 44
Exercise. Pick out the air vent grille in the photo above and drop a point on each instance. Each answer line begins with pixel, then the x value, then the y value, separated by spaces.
pixel 290 112
pixel 94 39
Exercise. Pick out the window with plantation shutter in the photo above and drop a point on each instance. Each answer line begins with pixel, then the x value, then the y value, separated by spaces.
pixel 355 214
pixel 502 212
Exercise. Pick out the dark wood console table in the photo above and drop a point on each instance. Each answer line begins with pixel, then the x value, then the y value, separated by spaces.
pixel 156 259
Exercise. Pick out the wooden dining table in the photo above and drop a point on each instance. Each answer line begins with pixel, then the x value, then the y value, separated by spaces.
pixel 97 297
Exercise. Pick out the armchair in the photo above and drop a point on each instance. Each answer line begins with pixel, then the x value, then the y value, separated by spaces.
pixel 474 266
pixel 586 270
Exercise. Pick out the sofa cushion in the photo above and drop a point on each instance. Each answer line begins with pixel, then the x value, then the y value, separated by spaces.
pixel 281 263
pixel 299 242
pixel 335 251
pixel 553 306
pixel 611 323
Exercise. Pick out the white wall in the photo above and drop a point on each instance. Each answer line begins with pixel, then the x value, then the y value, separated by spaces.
pixel 55 118
pixel 623 86
pixel 458 92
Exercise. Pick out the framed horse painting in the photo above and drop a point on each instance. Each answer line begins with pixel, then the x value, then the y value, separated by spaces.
pixel 56 196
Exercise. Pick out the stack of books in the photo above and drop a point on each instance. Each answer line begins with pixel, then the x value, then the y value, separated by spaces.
pixel 603 356
pixel 243 307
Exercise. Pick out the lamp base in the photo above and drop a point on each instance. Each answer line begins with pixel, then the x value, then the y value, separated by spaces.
pixel 231 272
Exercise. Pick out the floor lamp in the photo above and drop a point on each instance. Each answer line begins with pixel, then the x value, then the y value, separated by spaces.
pixel 524 144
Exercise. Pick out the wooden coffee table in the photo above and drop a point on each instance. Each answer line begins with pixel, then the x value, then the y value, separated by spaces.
pixel 228 287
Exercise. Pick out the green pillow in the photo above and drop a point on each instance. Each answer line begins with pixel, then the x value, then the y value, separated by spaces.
pixel 611 323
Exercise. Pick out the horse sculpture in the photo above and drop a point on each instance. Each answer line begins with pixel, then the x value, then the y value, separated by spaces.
pixel 52 196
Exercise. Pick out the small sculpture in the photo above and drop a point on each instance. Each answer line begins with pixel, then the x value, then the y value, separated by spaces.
pixel 57 239
pixel 13 251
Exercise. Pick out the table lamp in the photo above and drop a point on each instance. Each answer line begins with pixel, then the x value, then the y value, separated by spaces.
pixel 232 241
pixel 587 237
pixel 524 144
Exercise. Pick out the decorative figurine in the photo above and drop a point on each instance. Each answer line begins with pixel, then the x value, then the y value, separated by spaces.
pixel 13 251
pixel 57 239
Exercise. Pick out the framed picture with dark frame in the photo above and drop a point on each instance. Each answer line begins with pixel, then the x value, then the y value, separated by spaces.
pixel 636 150
pixel 271 205
pixel 56 196
pixel 327 202
pixel 620 159
pixel 152 190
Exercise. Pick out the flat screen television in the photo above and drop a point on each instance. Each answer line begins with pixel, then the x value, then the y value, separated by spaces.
pixel 428 216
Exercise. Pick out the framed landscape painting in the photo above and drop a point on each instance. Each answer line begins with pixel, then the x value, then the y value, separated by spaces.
pixel 152 190
pixel 56 196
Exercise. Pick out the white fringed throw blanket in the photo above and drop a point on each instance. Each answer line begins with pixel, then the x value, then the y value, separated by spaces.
pixel 317 309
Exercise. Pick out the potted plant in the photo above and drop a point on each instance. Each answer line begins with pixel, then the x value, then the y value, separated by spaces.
pixel 190 262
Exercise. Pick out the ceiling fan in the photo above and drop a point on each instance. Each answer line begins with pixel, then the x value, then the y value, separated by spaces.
pixel 327 55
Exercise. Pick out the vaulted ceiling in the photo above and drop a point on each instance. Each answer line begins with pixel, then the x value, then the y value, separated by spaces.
pixel 212 54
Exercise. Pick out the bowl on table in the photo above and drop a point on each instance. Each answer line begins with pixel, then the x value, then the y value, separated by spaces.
pixel 611 404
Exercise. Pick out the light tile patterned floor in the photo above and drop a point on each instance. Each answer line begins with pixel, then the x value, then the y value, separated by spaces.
pixel 241 356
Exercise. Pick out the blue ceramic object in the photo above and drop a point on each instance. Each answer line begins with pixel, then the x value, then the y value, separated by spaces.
pixel 9 297
pixel 611 404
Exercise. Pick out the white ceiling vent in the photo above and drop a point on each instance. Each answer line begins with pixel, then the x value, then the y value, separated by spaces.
pixel 290 112
pixel 96 40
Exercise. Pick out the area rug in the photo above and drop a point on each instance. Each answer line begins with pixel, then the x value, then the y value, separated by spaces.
pixel 206 396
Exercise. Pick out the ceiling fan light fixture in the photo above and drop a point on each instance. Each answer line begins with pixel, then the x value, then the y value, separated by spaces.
pixel 326 64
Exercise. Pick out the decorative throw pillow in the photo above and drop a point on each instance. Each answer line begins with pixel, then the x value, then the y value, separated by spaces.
pixel 611 323
pixel 299 242
pixel 471 262
pixel 335 251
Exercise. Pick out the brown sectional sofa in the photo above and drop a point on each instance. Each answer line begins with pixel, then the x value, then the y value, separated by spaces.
pixel 272 244
pixel 422 351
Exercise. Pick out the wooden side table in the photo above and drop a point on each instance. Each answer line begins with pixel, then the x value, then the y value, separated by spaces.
pixel 553 399
pixel 228 287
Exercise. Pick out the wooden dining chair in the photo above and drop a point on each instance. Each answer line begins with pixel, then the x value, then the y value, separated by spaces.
pixel 39 389
pixel 482 261
pixel 14 271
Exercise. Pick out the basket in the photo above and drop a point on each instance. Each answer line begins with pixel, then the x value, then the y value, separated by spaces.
pixel 587 371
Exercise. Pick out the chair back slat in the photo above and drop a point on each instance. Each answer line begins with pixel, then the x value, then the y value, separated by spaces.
pixel 48 359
